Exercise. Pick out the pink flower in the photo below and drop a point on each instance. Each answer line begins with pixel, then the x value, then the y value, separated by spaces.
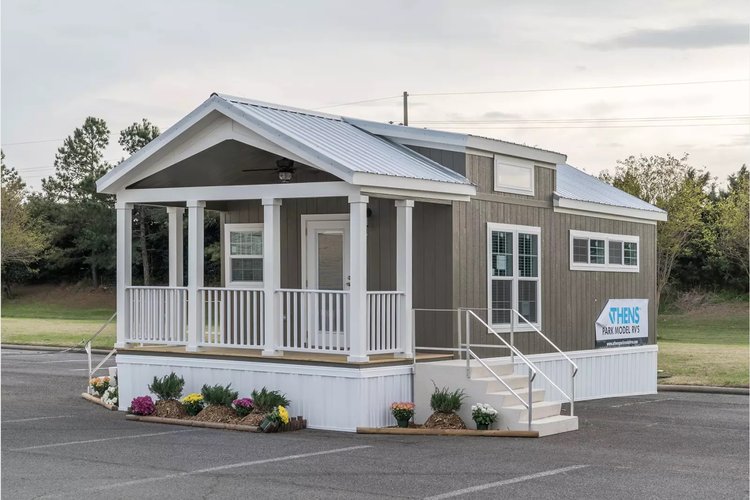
pixel 142 405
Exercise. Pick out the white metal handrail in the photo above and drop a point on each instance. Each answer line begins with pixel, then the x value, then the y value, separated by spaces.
pixel 498 378
pixel 574 367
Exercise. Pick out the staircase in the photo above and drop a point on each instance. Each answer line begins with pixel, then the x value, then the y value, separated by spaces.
pixel 483 387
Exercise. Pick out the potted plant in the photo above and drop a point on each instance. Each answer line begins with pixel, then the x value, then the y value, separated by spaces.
pixel 193 403
pixel 99 385
pixel 243 406
pixel 484 415
pixel 402 412
pixel 279 416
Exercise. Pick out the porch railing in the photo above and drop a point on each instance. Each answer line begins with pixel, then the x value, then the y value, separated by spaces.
pixel 314 320
pixel 232 317
pixel 384 322
pixel 157 314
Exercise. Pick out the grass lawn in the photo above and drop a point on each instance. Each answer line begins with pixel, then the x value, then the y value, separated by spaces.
pixel 706 346
pixel 57 316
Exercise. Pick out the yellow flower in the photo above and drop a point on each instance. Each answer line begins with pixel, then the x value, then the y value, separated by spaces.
pixel 192 398
pixel 283 415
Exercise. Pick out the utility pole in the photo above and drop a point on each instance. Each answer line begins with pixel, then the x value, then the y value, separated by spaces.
pixel 406 108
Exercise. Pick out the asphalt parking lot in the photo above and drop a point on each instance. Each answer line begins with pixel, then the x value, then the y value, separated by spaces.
pixel 56 445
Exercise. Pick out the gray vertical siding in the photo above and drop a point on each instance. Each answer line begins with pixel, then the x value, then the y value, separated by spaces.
pixel 571 300
pixel 432 244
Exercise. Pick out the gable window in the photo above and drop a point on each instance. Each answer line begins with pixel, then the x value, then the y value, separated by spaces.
pixel 603 252
pixel 243 253
pixel 513 276
pixel 514 175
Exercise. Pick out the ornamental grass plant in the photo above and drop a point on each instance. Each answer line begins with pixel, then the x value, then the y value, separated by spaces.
pixel 219 395
pixel 446 401
pixel 265 401
pixel 167 387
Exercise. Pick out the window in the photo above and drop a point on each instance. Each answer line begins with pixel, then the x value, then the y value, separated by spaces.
pixel 243 245
pixel 514 281
pixel 603 252
pixel 514 175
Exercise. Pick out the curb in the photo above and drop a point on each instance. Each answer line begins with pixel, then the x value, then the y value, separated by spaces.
pixel 51 348
pixel 705 389
pixel 191 423
pixel 445 432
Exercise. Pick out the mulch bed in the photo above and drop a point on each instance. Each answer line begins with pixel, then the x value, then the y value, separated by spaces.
pixel 169 408
pixel 440 420
pixel 253 419
pixel 218 414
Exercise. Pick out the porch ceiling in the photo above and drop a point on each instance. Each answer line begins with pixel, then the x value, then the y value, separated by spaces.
pixel 228 163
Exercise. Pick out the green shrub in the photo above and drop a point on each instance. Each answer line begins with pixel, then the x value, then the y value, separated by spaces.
pixel 167 387
pixel 445 401
pixel 265 400
pixel 219 395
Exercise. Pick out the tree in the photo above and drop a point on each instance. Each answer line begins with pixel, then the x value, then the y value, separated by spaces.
pixel 82 220
pixel 672 185
pixel 22 243
pixel 132 139
pixel 732 221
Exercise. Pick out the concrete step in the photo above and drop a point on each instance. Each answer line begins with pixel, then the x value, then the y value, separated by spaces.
pixel 542 409
pixel 501 399
pixel 513 381
pixel 500 368
pixel 547 426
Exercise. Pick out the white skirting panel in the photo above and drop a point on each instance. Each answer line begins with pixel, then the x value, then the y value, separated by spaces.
pixel 333 398
pixel 602 373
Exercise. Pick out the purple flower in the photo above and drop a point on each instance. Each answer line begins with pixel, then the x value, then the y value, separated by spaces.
pixel 243 403
pixel 142 405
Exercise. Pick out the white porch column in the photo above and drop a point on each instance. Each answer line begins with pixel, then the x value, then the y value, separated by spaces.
pixel 124 270
pixel 358 279
pixel 271 275
pixel 195 272
pixel 174 215
pixel 404 210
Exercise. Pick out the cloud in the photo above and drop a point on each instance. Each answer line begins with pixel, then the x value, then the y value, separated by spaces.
pixel 499 115
pixel 698 36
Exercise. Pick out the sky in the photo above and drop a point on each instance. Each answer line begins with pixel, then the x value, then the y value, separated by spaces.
pixel 123 61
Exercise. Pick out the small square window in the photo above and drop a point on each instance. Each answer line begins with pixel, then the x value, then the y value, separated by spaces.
pixel 514 175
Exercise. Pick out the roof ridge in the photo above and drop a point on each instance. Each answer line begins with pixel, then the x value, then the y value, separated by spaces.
pixel 278 107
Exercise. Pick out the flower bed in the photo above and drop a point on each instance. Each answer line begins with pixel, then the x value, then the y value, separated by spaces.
pixel 215 407
pixel 102 392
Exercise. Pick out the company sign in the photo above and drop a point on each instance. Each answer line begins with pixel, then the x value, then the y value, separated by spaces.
pixel 623 322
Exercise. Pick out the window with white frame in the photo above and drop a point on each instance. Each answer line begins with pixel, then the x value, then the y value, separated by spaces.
pixel 604 252
pixel 514 175
pixel 243 252
pixel 514 275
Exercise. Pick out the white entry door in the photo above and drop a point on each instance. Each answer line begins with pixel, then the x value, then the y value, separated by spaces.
pixel 326 254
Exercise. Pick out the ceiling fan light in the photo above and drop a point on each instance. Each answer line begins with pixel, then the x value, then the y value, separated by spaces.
pixel 285 175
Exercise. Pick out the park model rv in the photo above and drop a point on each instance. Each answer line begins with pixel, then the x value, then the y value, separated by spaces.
pixel 362 261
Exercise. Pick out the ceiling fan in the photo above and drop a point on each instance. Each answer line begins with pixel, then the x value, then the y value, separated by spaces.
pixel 284 166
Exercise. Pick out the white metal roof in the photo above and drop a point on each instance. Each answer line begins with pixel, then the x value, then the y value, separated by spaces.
pixel 346 144
pixel 573 184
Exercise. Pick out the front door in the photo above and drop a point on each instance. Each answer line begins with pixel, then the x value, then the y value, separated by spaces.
pixel 326 251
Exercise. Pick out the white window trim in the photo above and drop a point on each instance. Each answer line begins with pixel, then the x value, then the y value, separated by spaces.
pixel 606 267
pixel 518 324
pixel 512 162
pixel 228 229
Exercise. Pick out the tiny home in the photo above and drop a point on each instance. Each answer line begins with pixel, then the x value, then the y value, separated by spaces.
pixel 362 261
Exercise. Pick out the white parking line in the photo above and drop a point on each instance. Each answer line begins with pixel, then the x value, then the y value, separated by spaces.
pixel 34 418
pixel 519 479
pixel 98 440
pixel 215 469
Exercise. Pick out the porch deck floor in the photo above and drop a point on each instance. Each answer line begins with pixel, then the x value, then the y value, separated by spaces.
pixel 255 355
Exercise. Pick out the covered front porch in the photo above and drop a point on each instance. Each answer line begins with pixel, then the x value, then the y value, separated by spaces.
pixel 330 311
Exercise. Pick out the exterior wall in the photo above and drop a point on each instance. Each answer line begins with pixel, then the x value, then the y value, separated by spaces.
pixel 332 398
pixel 451 159
pixel 432 259
pixel 571 300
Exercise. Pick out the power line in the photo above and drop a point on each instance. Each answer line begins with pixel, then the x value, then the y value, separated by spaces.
pixel 31 142
pixel 559 89
pixel 587 120
pixel 358 102
pixel 600 126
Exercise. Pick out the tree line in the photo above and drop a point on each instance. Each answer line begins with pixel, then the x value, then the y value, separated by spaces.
pixel 66 231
